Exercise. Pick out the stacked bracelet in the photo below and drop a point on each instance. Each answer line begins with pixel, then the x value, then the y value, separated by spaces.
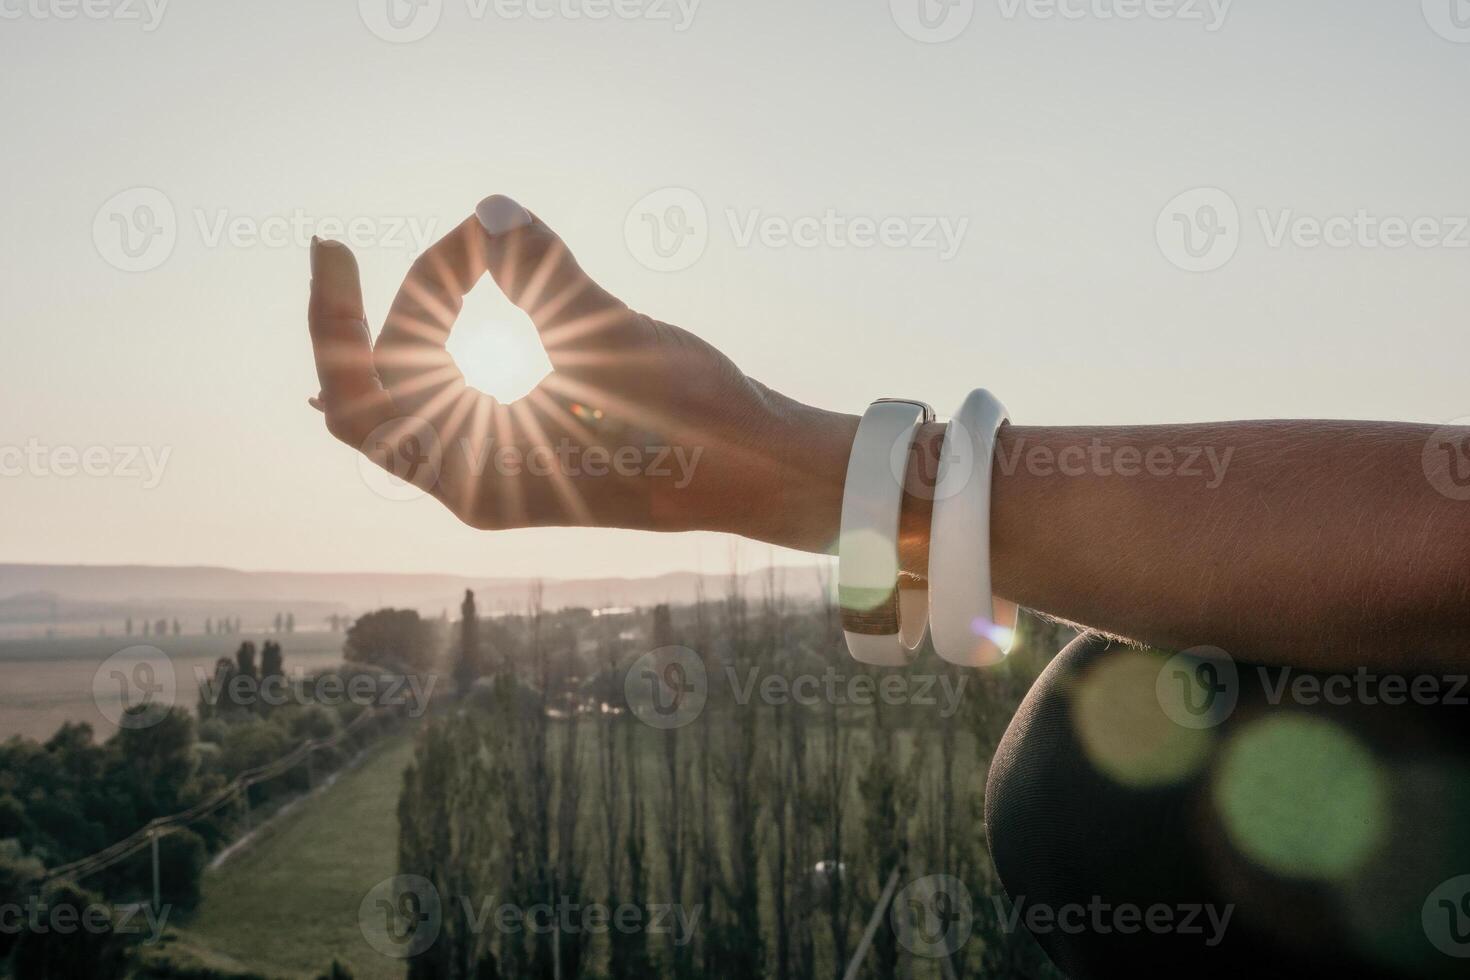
pixel 873 617
pixel 967 624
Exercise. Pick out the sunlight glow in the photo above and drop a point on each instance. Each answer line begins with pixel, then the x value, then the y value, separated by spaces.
pixel 501 358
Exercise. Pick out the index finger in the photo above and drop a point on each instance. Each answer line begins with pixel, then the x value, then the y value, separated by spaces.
pixel 410 356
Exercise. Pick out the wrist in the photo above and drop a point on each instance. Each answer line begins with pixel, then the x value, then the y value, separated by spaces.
pixel 795 501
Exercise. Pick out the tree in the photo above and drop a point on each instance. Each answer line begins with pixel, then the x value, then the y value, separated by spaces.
pixel 153 764
pixel 271 661
pixel 177 628
pixel 452 816
pixel 161 628
pixel 128 626
pixel 467 662
pixel 245 660
pixel 337 971
pixel 394 638
pixel 290 622
pixel 18 878
pixel 214 694
pixel 44 954
pixel 278 623
pixel 182 856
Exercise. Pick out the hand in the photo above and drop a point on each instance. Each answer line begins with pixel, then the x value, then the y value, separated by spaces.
pixel 640 425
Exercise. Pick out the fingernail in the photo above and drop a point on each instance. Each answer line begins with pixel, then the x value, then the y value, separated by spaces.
pixel 499 214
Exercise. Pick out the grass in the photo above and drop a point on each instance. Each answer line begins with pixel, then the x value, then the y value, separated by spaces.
pixel 288 904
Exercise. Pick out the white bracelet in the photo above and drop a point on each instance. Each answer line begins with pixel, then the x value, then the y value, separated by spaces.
pixel 967 624
pixel 882 626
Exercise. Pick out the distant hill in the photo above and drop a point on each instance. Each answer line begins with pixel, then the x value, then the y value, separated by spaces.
pixel 74 597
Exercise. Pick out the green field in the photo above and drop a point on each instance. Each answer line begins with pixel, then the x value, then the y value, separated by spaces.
pixel 288 904
pixel 45 682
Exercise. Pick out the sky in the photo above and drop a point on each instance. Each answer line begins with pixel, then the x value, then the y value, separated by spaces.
pixel 1106 211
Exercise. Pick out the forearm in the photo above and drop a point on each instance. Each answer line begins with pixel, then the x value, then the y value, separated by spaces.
pixel 1319 544
pixel 1311 543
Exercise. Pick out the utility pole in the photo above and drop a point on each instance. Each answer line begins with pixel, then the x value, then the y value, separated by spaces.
pixel 157 891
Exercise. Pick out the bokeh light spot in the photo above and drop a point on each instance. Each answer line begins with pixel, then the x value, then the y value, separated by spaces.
pixel 1124 731
pixel 1302 797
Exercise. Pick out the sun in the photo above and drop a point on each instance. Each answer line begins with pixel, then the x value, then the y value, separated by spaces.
pixel 497 348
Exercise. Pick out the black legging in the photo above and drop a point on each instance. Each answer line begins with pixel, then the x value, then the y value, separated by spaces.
pixel 1353 896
